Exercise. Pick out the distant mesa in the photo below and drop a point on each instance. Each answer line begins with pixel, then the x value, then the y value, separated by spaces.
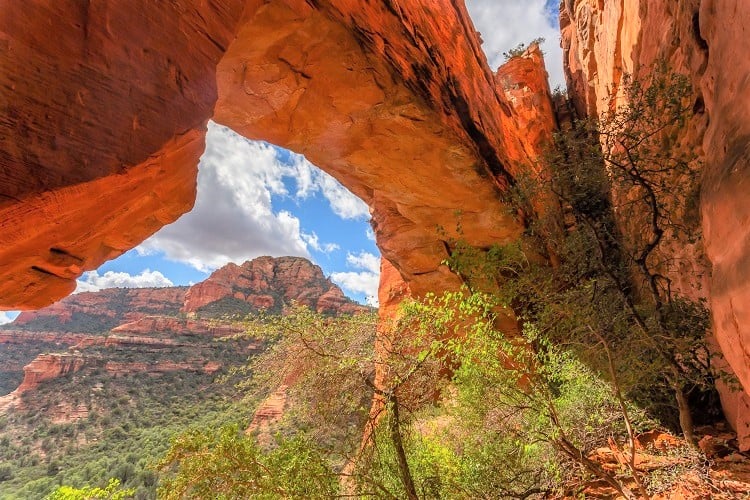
pixel 264 283
pixel 167 329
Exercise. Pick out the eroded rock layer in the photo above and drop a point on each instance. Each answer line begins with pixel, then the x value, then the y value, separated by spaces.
pixel 270 284
pixel 124 331
pixel 103 107
pixel 105 118
pixel 706 41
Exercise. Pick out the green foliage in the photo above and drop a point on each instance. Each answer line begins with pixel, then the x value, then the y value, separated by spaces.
pixel 112 491
pixel 226 464
pixel 130 422
pixel 228 307
pixel 519 49
pixel 610 238
pixel 515 400
pixel 330 359
pixel 606 301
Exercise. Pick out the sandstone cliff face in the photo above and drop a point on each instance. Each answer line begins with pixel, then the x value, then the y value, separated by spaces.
pixel 43 368
pixel 105 106
pixel 268 283
pixel 524 82
pixel 705 40
pixel 167 326
pixel 47 367
pixel 386 97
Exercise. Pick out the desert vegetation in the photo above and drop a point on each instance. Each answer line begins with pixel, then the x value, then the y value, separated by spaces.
pixel 568 341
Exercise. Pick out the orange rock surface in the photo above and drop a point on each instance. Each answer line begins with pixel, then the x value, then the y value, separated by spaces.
pixel 165 325
pixel 104 111
pixel 47 367
pixel 706 41
pixel 524 82
pixel 394 100
pixel 109 307
pixel 58 338
pixel 42 368
pixel 271 283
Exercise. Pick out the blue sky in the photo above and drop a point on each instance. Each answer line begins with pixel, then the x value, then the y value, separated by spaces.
pixel 256 199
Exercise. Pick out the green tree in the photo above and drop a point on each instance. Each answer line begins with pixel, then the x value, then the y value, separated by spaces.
pixel 609 240
pixel 113 491
pixel 228 464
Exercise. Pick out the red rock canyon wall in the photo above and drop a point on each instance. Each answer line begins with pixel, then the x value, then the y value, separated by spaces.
pixel 707 41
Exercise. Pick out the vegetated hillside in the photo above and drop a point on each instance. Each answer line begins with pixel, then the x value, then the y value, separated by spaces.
pixel 101 389
pixel 102 310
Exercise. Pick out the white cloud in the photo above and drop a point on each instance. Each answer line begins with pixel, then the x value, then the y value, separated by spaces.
pixel 7 316
pixel 311 179
pixel 370 234
pixel 233 219
pixel 365 282
pixel 313 242
pixel 364 260
pixel 506 23
pixel 92 281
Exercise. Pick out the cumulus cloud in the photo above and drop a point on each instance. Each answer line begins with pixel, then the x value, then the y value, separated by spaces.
pixel 506 23
pixel 311 179
pixel 365 281
pixel 364 260
pixel 7 317
pixel 233 219
pixel 313 242
pixel 92 281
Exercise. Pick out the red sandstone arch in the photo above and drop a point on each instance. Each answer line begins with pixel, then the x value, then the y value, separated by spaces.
pixel 103 108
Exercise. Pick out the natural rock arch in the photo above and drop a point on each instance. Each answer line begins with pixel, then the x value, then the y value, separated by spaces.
pixel 106 104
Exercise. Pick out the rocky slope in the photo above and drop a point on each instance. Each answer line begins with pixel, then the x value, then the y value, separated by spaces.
pixel 74 392
pixel 100 327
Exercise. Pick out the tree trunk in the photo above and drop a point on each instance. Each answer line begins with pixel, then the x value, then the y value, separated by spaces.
pixel 394 425
pixel 686 419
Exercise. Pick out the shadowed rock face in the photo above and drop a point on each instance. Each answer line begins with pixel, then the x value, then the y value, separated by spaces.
pixel 705 40
pixel 104 107
pixel 105 110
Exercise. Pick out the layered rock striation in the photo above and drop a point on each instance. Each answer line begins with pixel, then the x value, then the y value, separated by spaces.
pixel 153 323
pixel 387 97
pixel 99 311
pixel 270 284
